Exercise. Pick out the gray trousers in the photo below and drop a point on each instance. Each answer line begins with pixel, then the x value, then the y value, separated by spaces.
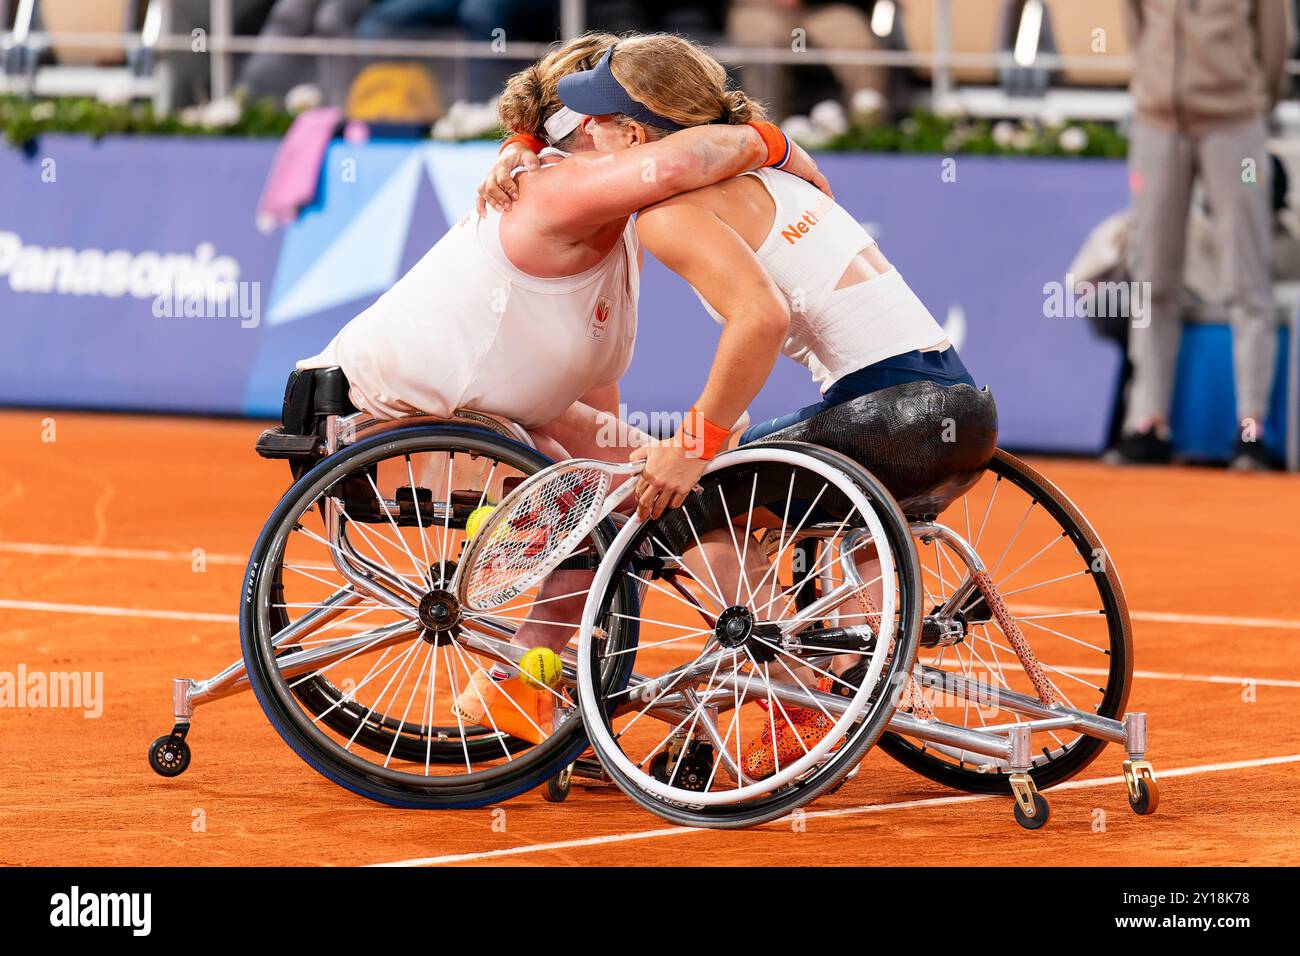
pixel 1163 166
pixel 273 74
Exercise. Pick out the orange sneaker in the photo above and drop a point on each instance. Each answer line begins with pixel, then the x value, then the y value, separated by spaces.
pixel 810 726
pixel 508 706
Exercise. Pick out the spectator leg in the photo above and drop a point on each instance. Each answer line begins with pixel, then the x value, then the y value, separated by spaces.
pixel 1242 214
pixel 759 23
pixel 272 74
pixel 337 19
pixel 480 19
pixel 394 19
pixel 1161 169
pixel 838 26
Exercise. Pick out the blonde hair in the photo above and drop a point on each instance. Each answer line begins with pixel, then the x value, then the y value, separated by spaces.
pixel 679 81
pixel 530 97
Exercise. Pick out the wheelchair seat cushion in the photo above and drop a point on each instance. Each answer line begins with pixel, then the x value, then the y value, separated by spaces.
pixel 927 443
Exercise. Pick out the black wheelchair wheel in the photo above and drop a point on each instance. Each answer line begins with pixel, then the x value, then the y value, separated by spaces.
pixel 387 748
pixel 1075 617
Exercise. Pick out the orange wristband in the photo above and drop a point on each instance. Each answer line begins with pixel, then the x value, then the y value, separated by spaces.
pixel 777 143
pixel 702 436
pixel 532 142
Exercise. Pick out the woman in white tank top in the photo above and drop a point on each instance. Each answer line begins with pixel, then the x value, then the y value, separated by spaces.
pixel 787 271
pixel 781 265
pixel 532 315
pixel 529 314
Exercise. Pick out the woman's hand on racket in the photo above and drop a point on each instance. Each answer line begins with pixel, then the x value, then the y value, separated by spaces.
pixel 671 473
pixel 801 164
pixel 499 189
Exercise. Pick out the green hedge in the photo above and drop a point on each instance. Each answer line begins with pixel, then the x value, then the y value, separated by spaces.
pixel 931 133
pixel 23 120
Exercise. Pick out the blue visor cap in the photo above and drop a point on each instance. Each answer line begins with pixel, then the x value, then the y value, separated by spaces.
pixel 596 92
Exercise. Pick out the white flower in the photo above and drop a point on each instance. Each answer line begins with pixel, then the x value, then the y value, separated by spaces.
pixel 1073 139
pixel 114 90
pixel 221 113
pixel 1004 134
pixel 465 120
pixel 43 111
pixel 828 117
pixel 956 139
pixel 866 103
pixel 950 109
pixel 304 96
pixel 1022 140
pixel 1051 118
pixel 191 116
pixel 483 118
pixel 445 128
pixel 802 131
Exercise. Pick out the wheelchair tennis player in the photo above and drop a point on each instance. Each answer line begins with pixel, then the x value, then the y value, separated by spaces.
pixel 532 316
pixel 786 271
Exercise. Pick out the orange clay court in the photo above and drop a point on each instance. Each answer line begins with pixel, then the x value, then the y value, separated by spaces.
pixel 97 536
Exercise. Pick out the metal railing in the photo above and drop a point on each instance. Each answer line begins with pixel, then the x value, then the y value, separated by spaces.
pixel 220 44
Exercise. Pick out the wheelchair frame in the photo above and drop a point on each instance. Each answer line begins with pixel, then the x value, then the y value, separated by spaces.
pixel 1007 746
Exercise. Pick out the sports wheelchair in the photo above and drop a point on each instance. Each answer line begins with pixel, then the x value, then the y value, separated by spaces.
pixel 877 619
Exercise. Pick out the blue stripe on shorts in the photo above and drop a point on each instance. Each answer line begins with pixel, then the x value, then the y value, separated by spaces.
pixel 944 367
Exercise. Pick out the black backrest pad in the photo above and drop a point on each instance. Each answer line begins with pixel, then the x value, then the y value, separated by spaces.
pixel 310 393
pixel 332 392
pixel 928 443
pixel 297 415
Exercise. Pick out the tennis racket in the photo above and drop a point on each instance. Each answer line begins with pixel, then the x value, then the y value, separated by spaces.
pixel 536 526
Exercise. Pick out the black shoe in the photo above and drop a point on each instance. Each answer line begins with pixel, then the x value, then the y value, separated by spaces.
pixel 1253 456
pixel 1141 448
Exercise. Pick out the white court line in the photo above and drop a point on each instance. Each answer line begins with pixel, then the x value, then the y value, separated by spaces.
pixel 824 814
pixel 1215 620
pixel 132 554
pixel 102 611
pixel 1193 678
pixel 144 554
pixel 1168 617
pixel 99 610
pixel 168 615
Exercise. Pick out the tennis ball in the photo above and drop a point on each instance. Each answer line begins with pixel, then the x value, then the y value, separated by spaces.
pixel 540 667
pixel 476 519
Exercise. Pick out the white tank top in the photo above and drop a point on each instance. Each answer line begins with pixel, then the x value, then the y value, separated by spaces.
pixel 834 331
pixel 466 329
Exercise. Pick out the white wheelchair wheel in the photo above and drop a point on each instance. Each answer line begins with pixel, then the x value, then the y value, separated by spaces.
pixel 748 659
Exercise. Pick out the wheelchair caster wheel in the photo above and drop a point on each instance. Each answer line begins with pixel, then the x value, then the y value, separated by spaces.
pixel 1030 806
pixel 169 755
pixel 690 771
pixel 1143 792
pixel 1147 800
pixel 557 788
pixel 1041 813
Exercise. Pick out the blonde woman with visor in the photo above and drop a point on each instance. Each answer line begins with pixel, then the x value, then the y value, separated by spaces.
pixel 783 267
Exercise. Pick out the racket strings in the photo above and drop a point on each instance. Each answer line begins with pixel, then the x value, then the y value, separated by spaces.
pixel 528 538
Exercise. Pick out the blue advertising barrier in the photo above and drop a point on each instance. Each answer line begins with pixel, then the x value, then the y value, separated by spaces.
pixel 88 231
